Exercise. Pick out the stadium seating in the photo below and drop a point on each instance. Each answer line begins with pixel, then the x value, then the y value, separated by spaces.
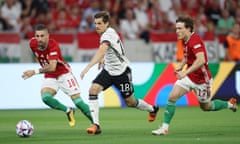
pixel 9 47
pixel 81 47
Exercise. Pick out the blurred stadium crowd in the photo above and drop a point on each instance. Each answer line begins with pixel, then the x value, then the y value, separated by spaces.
pixel 135 19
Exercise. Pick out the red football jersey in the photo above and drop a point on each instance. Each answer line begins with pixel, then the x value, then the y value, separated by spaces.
pixel 52 52
pixel 191 48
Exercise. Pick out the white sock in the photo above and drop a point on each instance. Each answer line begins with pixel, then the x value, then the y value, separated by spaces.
pixel 230 105
pixel 165 126
pixel 94 109
pixel 68 109
pixel 142 105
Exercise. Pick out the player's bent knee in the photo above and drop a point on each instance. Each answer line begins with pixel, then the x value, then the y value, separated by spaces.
pixel 95 89
pixel 75 96
pixel 46 96
pixel 205 108
pixel 173 98
pixel 130 104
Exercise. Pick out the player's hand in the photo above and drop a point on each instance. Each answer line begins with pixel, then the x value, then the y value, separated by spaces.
pixel 83 73
pixel 100 64
pixel 27 74
pixel 177 70
pixel 180 74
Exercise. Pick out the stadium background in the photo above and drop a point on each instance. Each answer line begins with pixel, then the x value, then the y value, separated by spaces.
pixel 152 62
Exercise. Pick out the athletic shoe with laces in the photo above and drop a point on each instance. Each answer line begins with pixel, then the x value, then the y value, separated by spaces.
pixel 94 129
pixel 152 115
pixel 233 101
pixel 160 131
pixel 70 116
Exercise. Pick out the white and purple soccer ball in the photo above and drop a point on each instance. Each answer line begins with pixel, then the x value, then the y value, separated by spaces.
pixel 24 128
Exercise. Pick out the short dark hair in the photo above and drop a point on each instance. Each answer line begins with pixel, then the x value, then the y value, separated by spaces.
pixel 104 15
pixel 40 27
pixel 187 20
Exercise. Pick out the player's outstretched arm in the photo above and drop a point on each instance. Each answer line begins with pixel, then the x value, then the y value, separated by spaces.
pixel 98 57
pixel 47 68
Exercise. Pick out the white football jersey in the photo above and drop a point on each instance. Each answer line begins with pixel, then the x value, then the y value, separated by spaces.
pixel 115 60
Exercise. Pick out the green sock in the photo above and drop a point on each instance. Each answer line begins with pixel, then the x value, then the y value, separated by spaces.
pixel 52 102
pixel 218 105
pixel 169 112
pixel 83 107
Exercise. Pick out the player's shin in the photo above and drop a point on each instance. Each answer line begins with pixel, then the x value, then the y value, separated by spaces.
pixel 48 99
pixel 94 108
pixel 169 111
pixel 218 105
pixel 83 107
pixel 142 105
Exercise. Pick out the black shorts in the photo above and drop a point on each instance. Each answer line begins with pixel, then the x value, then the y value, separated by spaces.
pixel 122 82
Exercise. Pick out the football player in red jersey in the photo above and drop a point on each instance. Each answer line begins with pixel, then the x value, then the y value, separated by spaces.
pixel 195 77
pixel 57 74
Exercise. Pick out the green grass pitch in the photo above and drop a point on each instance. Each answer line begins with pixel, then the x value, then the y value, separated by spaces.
pixel 123 126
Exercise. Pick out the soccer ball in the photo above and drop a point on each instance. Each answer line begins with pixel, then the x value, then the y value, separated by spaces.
pixel 24 128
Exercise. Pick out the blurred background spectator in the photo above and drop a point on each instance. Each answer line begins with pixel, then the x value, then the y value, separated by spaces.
pixel 10 12
pixel 87 24
pixel 29 8
pixel 174 12
pixel 3 24
pixel 155 15
pixel 91 10
pixel 167 26
pixel 123 6
pixel 225 22
pixel 25 26
pixel 142 19
pixel 213 11
pixel 232 44
pixel 74 16
pixel 129 26
pixel 237 15
pixel 146 16
pixel 62 21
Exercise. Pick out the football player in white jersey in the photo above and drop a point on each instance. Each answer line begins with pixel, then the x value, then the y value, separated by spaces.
pixel 115 71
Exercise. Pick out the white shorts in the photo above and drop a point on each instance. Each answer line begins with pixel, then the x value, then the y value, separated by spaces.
pixel 203 91
pixel 66 82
